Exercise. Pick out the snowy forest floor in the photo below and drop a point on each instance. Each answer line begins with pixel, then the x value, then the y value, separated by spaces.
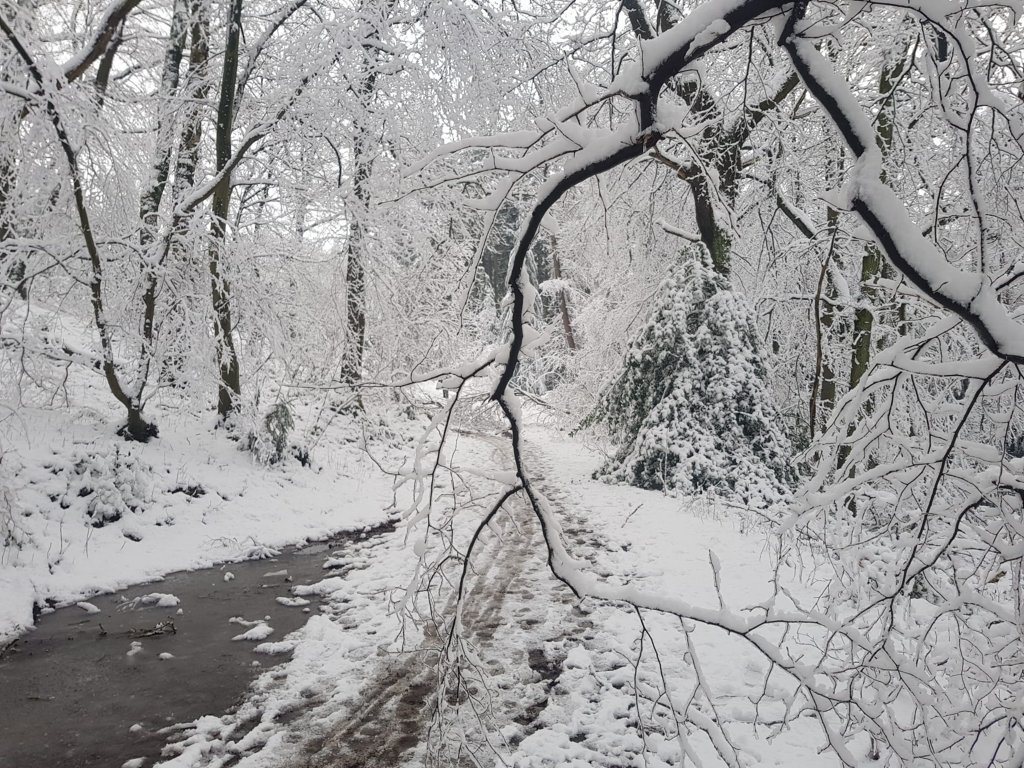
pixel 545 679
pixel 83 512
pixel 548 680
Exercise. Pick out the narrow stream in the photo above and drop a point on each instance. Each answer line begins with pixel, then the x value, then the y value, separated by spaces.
pixel 90 689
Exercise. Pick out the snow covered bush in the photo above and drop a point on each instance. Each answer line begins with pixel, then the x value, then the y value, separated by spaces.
pixel 278 422
pixel 10 535
pixel 113 483
pixel 690 410
pixel 271 443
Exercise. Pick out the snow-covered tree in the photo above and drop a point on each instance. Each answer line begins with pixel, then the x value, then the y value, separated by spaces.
pixel 690 410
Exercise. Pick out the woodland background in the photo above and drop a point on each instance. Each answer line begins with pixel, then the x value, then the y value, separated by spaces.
pixel 763 250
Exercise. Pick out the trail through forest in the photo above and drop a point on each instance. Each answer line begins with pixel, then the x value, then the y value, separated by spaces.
pixel 513 608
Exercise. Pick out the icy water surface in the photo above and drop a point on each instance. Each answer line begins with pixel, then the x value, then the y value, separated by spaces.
pixel 72 695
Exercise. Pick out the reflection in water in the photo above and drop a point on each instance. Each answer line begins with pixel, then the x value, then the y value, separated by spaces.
pixel 96 684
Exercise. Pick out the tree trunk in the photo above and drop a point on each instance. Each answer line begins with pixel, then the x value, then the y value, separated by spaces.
pixel 197 93
pixel 106 64
pixel 362 166
pixel 715 239
pixel 137 428
pixel 149 205
pixel 563 300
pixel 872 264
pixel 823 389
pixel 11 264
pixel 864 318
pixel 229 386
pixel 825 373
pixel 827 397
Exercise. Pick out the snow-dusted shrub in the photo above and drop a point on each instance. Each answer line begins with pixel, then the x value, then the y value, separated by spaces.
pixel 10 534
pixel 691 410
pixel 278 423
pixel 271 443
pixel 113 483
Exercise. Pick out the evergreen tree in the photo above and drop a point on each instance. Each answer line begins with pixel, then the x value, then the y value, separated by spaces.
pixel 691 410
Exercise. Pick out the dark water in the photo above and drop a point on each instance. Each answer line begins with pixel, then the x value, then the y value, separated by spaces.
pixel 70 693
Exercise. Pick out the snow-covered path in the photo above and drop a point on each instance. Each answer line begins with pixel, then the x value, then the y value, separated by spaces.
pixel 397 704
pixel 609 706
pixel 360 688
pixel 559 682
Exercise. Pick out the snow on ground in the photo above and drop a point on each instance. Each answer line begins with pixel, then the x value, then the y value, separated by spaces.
pixel 608 706
pixel 356 669
pixel 548 680
pixel 331 656
pixel 83 512
pixel 552 681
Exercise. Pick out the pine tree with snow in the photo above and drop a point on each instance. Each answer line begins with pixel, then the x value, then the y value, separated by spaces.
pixel 691 410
